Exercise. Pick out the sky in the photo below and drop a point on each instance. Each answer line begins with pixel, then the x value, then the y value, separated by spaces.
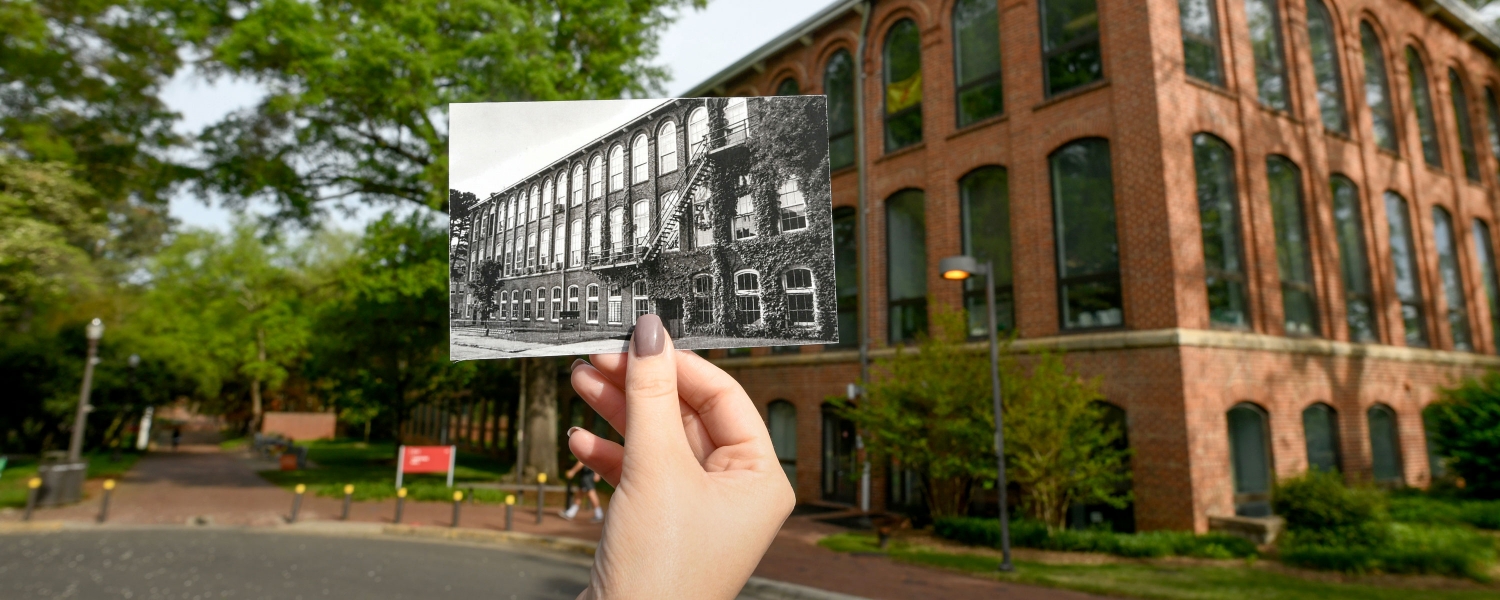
pixel 697 45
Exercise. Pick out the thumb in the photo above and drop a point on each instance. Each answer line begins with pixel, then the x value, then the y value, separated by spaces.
pixel 651 404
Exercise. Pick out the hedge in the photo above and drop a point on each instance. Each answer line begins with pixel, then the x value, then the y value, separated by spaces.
pixel 1412 549
pixel 1027 533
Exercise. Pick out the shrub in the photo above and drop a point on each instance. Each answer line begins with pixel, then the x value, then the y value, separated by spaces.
pixel 1419 508
pixel 1427 550
pixel 1465 427
pixel 1028 533
pixel 1321 510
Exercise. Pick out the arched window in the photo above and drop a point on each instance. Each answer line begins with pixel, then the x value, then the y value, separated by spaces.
pixel 526 307
pixel 838 456
pixel 1377 88
pixel 703 302
pixel 846 274
pixel 614 304
pixel 985 194
pixel 903 85
pixel 1320 427
pixel 1421 103
pixel 1460 94
pixel 559 236
pixel 1270 61
pixel 747 297
pixel 521 252
pixel 838 85
pixel 1444 237
pixel 1354 263
pixel 1250 460
pixel 668 207
pixel 1070 44
pixel 504 305
pixel 531 250
pixel 617 168
pixel 541 304
pixel 547 198
pixel 976 57
pixel 641 223
pixel 788 87
pixel 697 131
pixel 666 148
pixel 562 191
pixel 578 185
pixel 596 177
pixel 616 230
pixel 534 204
pixel 557 304
pixel 1404 265
pixel 1219 222
pixel 593 303
pixel 1385 448
pixel 703 227
pixel 745 225
pixel 781 420
pixel 792 205
pixel 1324 48
pixel 638 163
pixel 1492 122
pixel 573 298
pixel 1293 252
pixel 906 265
pixel 1200 40
pixel 545 250
pixel 596 238
pixel 575 244
pixel 1088 250
pixel 640 301
pixel 515 305
pixel 1483 248
pixel 799 288
pixel 736 121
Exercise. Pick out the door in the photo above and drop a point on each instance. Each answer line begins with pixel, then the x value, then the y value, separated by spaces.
pixel 838 457
pixel 1250 460
pixel 670 311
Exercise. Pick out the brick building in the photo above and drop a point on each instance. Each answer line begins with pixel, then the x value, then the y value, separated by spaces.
pixel 1264 223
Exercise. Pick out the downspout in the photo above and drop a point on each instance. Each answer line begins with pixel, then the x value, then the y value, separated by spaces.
pixel 862 226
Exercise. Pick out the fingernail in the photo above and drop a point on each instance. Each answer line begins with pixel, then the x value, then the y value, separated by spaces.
pixel 650 338
pixel 573 429
pixel 577 362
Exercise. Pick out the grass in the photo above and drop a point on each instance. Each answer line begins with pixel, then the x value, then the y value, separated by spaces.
pixel 1416 507
pixel 371 469
pixel 18 471
pixel 1233 580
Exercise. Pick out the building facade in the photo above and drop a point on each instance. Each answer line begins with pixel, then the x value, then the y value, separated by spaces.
pixel 1265 224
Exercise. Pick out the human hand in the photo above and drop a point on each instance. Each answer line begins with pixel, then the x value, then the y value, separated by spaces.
pixel 699 493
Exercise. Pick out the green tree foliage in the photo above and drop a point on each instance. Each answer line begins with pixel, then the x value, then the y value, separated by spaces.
pixel 1465 427
pixel 45 227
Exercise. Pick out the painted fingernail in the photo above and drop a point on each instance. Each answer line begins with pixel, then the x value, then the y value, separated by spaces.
pixel 573 429
pixel 650 338
pixel 577 362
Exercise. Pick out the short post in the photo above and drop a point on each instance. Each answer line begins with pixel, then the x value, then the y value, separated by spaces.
pixel 458 501
pixel 33 487
pixel 348 499
pixel 400 503
pixel 541 495
pixel 510 509
pixel 297 502
pixel 109 490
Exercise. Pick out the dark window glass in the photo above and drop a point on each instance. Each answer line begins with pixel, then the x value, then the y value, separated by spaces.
pixel 1404 262
pixel 906 265
pixel 1377 88
pixel 1384 451
pixel 986 230
pixel 788 87
pixel 976 52
pixel 1443 236
pixel 1465 127
pixel 781 421
pixel 903 86
pixel 1320 426
pixel 1354 263
pixel 1421 102
pixel 1218 216
pixel 1070 44
pixel 1492 122
pixel 1299 303
pixel 1088 251
pixel 1483 247
pixel 846 274
pixel 1270 60
pixel 838 85
pixel 1325 57
pixel 703 302
pixel 1200 40
pixel 1250 460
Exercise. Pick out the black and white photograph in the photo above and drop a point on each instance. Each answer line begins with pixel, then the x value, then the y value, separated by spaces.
pixel 570 220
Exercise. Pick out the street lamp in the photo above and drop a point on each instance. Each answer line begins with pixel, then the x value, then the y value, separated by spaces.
pixel 93 332
pixel 959 268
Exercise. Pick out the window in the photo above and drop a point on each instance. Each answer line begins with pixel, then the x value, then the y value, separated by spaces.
pixel 736 121
pixel 1354 264
pixel 703 226
pixel 558 237
pixel 1385 451
pixel 575 243
pixel 1320 427
pixel 614 304
pixel 1377 88
pixel 641 223
pixel 515 306
pixel 1325 57
pixel 744 214
pixel 573 298
pixel 638 163
pixel 593 303
pixel 617 168
pixel 531 250
pixel 1453 284
pixel 578 185
pixel 793 206
pixel 903 86
pixel 986 236
pixel 697 131
pixel 668 207
pixel 1421 102
pixel 1250 460
pixel 547 198
pixel 838 85
pixel 1492 122
pixel 1270 61
pixel 788 87
pixel 521 252
pixel 799 297
pixel 616 230
pixel 596 177
pixel 976 54
pixel 1483 248
pixel 781 421
pixel 1299 304
pixel 906 265
pixel 1088 251
pixel 639 299
pixel 557 304
pixel 747 297
pixel 596 238
pixel 1219 222
pixel 541 304
pixel 703 306
pixel 846 274
pixel 1070 44
pixel 504 305
pixel 527 307
pixel 545 250
pixel 533 204
pixel 1404 263
pixel 1461 121
pixel 666 148
pixel 1200 40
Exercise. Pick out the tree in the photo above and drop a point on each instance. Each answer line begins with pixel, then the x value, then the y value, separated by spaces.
pixel 1465 427
pixel 45 229
pixel 460 222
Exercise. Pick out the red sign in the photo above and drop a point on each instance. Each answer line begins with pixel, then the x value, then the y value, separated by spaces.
pixel 426 459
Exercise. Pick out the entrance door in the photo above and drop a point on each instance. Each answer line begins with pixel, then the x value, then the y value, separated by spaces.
pixel 838 457
pixel 670 311
pixel 1250 459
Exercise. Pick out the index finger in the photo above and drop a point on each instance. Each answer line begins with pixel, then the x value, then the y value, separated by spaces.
pixel 726 411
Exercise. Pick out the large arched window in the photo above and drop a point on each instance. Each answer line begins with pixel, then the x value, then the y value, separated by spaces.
pixel 666 148
pixel 1299 304
pixel 557 304
pixel 906 265
pixel 1270 60
pixel 573 299
pixel 736 121
pixel 1324 47
pixel 1219 222
pixel 1354 262
pixel 592 303
pixel 697 131
pixel 547 198
pixel 1385 445
pixel 903 85
pixel 541 304
pixel 504 305
pixel 533 204
pixel 1492 122
pixel 617 168
pixel 1200 40
pixel 788 87
pixel 616 302
pixel 616 230
pixel 531 250
pixel 838 85
pixel 596 177
pixel 1404 265
pixel 1250 460
pixel 641 223
pixel 559 236
pixel 801 309
pixel 1483 248
pixel 1377 88
pixel 575 244
pixel 703 300
pixel 976 57
pixel 596 237
pixel 1421 103
pixel 1088 249
pixel 1320 428
pixel 781 420
pixel 846 274
pixel 1460 94
pixel 639 165
pixel 747 297
pixel 544 251
pixel 578 185
pixel 985 193
pixel 1071 53
pixel 838 457
pixel 1445 238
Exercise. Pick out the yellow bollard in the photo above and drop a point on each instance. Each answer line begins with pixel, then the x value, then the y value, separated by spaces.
pixel 33 487
pixel 348 499
pixel 458 501
pixel 297 502
pixel 109 490
pixel 541 495
pixel 510 508
pixel 400 503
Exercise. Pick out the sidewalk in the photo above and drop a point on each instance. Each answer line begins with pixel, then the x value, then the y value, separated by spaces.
pixel 201 485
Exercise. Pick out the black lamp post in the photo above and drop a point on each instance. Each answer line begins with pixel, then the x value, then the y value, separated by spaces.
pixel 959 268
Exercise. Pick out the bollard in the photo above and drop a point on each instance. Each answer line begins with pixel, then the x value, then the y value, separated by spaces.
pixel 348 499
pixel 510 509
pixel 33 487
pixel 541 495
pixel 458 501
pixel 109 490
pixel 400 503
pixel 297 502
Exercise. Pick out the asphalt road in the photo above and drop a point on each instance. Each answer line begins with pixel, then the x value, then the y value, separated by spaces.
pixel 203 564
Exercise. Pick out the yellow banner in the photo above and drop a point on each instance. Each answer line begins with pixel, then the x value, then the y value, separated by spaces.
pixel 903 94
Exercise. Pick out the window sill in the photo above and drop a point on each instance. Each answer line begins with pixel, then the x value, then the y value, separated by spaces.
pixel 919 146
pixel 1217 89
pixel 978 125
pixel 1071 94
pixel 1391 154
pixel 1277 112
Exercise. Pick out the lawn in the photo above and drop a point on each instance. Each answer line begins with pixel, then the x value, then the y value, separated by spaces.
pixel 17 471
pixel 1234 580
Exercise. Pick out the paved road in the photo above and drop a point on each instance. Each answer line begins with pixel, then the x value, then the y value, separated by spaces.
pixel 187 563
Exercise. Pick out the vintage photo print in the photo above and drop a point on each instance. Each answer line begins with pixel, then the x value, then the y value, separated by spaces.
pixel 570 220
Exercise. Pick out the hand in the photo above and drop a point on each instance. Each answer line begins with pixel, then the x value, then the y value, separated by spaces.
pixel 699 493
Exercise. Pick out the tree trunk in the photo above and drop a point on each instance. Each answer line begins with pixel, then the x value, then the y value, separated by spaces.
pixel 540 397
pixel 255 400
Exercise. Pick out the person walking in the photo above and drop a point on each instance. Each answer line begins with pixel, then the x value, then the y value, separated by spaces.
pixel 585 485
pixel 176 437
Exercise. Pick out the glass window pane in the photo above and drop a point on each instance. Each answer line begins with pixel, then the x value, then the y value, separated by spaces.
pixel 846 274
pixel 1270 60
pixel 1492 122
pixel 781 419
pixel 1293 255
pixel 1377 89
pixel 906 265
pixel 788 87
pixel 838 85
pixel 1320 428
pixel 976 40
pixel 1325 58
pixel 1404 263
pixel 1070 44
pixel 1421 100
pixel 1460 94
pixel 1483 248
pixel 1250 460
pixel 1218 217
pixel 1453 285
pixel 903 86
pixel 1200 40
pixel 986 236
pixel 1384 452
pixel 1088 254
pixel 1354 264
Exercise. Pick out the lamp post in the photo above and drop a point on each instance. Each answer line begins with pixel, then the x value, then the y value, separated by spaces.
pixel 959 268
pixel 93 332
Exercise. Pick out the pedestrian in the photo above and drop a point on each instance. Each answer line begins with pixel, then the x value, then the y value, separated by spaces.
pixel 176 437
pixel 585 484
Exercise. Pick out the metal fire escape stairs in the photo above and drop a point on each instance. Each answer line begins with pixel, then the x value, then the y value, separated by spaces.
pixel 699 169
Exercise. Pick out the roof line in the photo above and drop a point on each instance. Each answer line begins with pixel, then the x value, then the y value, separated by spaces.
pixel 797 32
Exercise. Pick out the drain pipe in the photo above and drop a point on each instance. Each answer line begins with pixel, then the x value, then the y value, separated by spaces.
pixel 862 234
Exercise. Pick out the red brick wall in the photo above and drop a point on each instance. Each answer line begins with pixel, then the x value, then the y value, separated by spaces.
pixel 300 426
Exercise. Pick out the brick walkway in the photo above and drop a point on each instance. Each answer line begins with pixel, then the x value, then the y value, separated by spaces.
pixel 201 483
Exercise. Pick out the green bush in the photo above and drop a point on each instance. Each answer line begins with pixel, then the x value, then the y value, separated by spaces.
pixel 1464 425
pixel 1027 533
pixel 1323 511
pixel 1412 549
pixel 1421 508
